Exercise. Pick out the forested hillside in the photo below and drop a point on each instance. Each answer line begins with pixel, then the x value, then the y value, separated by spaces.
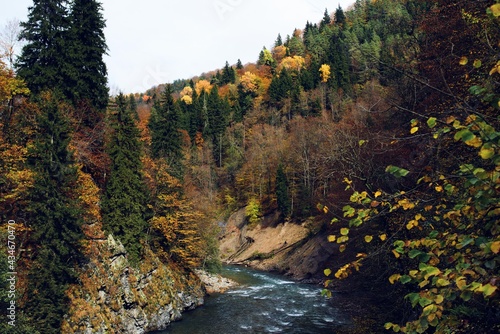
pixel 376 126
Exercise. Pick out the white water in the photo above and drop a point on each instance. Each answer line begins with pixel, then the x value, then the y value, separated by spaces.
pixel 263 303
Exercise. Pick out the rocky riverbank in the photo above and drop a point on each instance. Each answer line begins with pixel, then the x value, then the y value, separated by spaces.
pixel 295 250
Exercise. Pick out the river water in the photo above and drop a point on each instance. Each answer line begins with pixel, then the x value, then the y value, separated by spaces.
pixel 263 303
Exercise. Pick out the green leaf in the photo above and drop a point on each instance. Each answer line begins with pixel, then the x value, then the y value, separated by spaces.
pixel 405 279
pixel 344 231
pixel 348 211
pixel 424 302
pixel 466 295
pixel 397 171
pixel 487 289
pixel 431 122
pixel 477 63
pixel 464 135
pixel 414 253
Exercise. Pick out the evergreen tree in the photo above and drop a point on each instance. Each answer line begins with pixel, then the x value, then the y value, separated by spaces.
pixel 340 16
pixel 44 63
pixel 279 41
pixel 282 196
pixel 87 48
pixel 132 105
pixel 166 140
pixel 55 220
pixel 326 20
pixel 228 74
pixel 239 65
pixel 124 201
pixel 217 113
pixel 64 51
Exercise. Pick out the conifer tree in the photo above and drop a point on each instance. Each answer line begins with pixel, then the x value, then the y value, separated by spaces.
pixel 340 16
pixel 166 140
pixel 326 20
pixel 228 74
pixel 124 202
pixel 239 65
pixel 55 220
pixel 44 63
pixel 132 104
pixel 87 48
pixel 64 51
pixel 279 41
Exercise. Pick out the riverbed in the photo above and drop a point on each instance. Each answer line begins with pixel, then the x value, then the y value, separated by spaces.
pixel 262 303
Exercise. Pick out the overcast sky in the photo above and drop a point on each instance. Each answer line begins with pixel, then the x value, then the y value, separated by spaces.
pixel 157 41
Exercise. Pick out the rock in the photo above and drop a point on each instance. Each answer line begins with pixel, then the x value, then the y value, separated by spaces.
pixel 115 297
pixel 215 283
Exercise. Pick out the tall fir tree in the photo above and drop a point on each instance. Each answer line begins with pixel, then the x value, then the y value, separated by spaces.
pixel 124 203
pixel 64 51
pixel 87 48
pixel 55 220
pixel 166 140
pixel 44 62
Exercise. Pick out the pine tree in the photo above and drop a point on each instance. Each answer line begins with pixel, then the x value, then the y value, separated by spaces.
pixel 326 20
pixel 166 140
pixel 217 112
pixel 132 105
pixel 124 202
pixel 228 75
pixel 87 48
pixel 279 41
pixel 44 63
pixel 55 220
pixel 64 51
pixel 239 65
pixel 340 16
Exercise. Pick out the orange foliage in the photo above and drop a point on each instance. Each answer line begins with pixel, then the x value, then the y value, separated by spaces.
pixel 295 63
pixel 202 85
pixel 279 52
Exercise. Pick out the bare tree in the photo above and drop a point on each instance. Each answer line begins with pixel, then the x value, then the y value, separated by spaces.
pixel 9 41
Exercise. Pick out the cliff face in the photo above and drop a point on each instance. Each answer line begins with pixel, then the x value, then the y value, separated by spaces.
pixel 296 250
pixel 114 297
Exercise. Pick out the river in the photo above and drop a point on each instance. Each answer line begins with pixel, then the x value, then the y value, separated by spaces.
pixel 263 303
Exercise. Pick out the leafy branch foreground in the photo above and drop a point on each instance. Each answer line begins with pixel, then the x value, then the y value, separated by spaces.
pixel 451 228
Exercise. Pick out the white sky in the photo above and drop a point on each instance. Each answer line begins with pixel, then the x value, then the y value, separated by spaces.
pixel 158 41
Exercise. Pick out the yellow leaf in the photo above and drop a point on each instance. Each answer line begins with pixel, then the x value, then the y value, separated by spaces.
pixel 461 283
pixel 439 299
pixel 495 247
pixel 475 142
pixel 327 272
pixel 414 129
pixel 325 209
pixel 344 231
pixel 368 238
pixel 487 152
pixel 394 278
pixel 396 254
pixel 495 9
pixel 331 238
pixel 463 61
pixel 439 189
pixel 383 237
pixel 495 69
pixel 377 194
